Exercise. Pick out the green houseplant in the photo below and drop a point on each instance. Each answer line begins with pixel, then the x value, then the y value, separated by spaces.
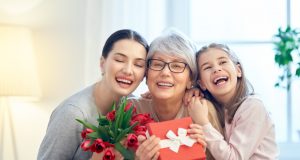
pixel 287 43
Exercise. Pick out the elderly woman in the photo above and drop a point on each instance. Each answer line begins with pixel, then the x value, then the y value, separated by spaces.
pixel 171 71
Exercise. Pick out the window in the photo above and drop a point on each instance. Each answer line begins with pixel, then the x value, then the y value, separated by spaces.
pixel 236 21
pixel 248 28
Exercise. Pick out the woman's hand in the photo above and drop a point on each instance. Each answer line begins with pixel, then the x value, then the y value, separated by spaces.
pixel 148 148
pixel 146 95
pixel 189 93
pixel 196 132
pixel 198 110
pixel 97 156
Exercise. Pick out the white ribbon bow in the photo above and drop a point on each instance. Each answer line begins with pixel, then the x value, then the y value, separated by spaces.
pixel 174 142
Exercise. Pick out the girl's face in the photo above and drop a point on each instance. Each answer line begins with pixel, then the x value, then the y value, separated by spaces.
pixel 166 84
pixel 124 68
pixel 218 74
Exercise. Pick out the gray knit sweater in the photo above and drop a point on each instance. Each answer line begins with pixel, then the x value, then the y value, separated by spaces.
pixel 63 137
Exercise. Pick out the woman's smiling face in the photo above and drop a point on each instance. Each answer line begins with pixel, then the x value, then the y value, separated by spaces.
pixel 124 67
pixel 166 84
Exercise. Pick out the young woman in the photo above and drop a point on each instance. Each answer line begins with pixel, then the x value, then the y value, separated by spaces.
pixel 123 68
pixel 248 129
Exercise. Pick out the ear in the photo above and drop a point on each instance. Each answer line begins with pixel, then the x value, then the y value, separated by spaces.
pixel 102 64
pixel 238 70
pixel 189 84
pixel 202 86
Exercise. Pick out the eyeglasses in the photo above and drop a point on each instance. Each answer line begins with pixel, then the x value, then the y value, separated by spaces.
pixel 158 65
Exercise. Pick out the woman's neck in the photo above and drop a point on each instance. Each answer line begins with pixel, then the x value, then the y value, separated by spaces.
pixel 104 97
pixel 166 110
pixel 226 98
pixel 223 100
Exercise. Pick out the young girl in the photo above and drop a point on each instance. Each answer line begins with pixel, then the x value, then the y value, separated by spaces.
pixel 248 129
pixel 123 68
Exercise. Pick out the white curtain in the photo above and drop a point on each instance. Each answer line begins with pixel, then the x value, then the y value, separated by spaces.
pixel 107 16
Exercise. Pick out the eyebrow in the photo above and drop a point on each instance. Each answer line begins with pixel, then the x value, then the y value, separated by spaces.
pixel 206 63
pixel 123 55
pixel 120 54
pixel 219 58
pixel 222 58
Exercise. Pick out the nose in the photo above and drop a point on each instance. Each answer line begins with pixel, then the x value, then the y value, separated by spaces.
pixel 217 68
pixel 128 69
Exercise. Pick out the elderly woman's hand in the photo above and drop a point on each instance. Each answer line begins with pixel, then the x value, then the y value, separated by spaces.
pixel 196 132
pixel 189 93
pixel 146 95
pixel 148 148
pixel 198 110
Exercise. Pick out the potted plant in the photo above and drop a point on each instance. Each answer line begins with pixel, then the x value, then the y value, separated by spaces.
pixel 287 44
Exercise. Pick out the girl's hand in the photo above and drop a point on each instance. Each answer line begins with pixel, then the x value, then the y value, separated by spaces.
pixel 146 95
pixel 97 156
pixel 189 93
pixel 198 110
pixel 148 148
pixel 196 132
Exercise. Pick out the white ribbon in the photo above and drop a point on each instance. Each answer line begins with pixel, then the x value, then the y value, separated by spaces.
pixel 174 142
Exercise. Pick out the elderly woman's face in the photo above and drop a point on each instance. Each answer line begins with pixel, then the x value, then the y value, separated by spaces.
pixel 166 83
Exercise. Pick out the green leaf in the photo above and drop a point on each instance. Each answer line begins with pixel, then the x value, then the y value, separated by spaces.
pixel 288 29
pixel 87 125
pixel 278 59
pixel 127 154
pixel 125 131
pixel 103 121
pixel 286 43
pixel 93 135
pixel 113 106
pixel 298 72
pixel 120 113
pixel 111 134
pixel 103 133
pixel 127 117
pixel 281 78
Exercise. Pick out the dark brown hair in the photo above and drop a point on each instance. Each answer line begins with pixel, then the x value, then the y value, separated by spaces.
pixel 120 35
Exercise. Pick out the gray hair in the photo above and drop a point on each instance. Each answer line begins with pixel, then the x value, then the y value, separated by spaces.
pixel 176 44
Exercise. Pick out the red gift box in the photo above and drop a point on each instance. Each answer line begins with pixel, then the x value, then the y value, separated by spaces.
pixel 160 129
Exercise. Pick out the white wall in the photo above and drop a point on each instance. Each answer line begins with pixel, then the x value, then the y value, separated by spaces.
pixel 68 39
pixel 59 40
